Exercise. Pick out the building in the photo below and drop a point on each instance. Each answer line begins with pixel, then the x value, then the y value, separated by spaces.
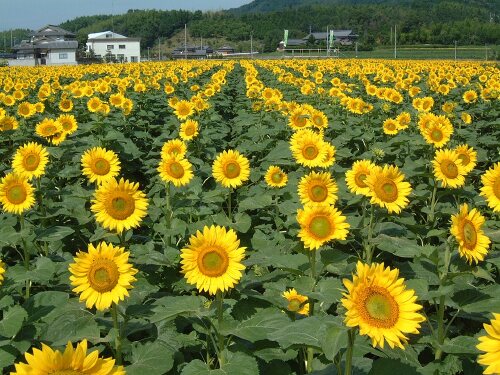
pixel 50 45
pixel 342 37
pixel 192 52
pixel 225 50
pixel 110 46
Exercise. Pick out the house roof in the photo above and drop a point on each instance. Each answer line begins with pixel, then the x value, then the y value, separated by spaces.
pixel 114 40
pixel 52 30
pixel 295 42
pixel 336 33
pixel 46 44
pixel 102 35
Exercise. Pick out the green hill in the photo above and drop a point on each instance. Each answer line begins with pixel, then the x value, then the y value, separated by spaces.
pixel 419 22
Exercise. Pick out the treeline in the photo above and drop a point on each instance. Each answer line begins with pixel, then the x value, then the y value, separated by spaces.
pixel 418 22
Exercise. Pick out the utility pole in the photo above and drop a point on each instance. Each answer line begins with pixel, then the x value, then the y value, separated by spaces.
pixel 390 38
pixel 455 50
pixel 185 41
pixel 356 46
pixel 327 42
pixel 11 38
pixel 485 52
pixel 148 52
pixel 112 16
pixel 251 44
pixel 395 43
pixel 159 50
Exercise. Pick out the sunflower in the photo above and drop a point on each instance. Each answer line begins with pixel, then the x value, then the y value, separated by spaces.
pixel 73 361
pixel 439 132
pixel 320 224
pixel 448 168
pixel 317 188
pixel 183 109
pixel 403 119
pixel 212 259
pixel 470 96
pixel 231 169
pixel 68 123
pixel 468 157
pixel 378 302
pixel 299 119
pixel 65 105
pixel 175 169
pixel 189 130
pixel 8 123
pixel 94 104
pixel 308 148
pixel 275 177
pixel 2 271
pixel 100 165
pixel 102 275
pixel 329 157
pixel 58 138
pixel 490 344
pixel 356 176
pixel 296 302
pixel 390 126
pixel 388 188
pixel 491 187
pixel 119 205
pixel 48 128
pixel 466 227
pixel 16 194
pixel 26 109
pixel 30 160
pixel 173 147
pixel 319 119
pixel 466 118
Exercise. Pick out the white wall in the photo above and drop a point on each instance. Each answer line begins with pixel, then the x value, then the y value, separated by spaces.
pixel 53 57
pixel 132 48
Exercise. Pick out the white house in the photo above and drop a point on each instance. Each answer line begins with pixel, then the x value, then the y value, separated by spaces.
pixel 113 46
pixel 50 45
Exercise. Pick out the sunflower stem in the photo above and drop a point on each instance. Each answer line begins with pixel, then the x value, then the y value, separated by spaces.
pixel 220 305
pixel 369 245
pixel 26 257
pixel 118 334
pixel 168 214
pixel 430 216
pixel 310 350
pixel 441 333
pixel 229 208
pixel 350 349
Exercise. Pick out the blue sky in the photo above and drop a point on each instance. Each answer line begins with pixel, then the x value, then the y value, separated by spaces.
pixel 33 14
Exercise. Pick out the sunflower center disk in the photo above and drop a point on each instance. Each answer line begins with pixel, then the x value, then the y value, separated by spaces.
pixel 387 191
pixel 16 194
pixel 320 226
pixel 189 130
pixel 449 169
pixel 470 235
pixel 380 308
pixel 31 162
pixel 437 135
pixel 294 305
pixel 319 193
pixel 103 275
pixel 465 159
pixel 176 170
pixel 232 170
pixel 277 177
pixel 310 152
pixel 496 187
pixel 101 167
pixel 360 180
pixel 121 207
pixel 214 263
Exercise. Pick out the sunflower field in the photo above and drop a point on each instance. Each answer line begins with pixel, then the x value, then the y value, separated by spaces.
pixel 250 217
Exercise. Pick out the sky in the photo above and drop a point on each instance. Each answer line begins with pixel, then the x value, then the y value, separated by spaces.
pixel 34 14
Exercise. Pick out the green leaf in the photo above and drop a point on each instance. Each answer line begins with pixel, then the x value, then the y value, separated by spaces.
pixel 399 246
pixel 53 234
pixel 151 358
pixel 334 340
pixel 236 363
pixel 384 366
pixel 260 325
pixel 12 321
pixel 170 307
pixel 460 345
pixel 305 331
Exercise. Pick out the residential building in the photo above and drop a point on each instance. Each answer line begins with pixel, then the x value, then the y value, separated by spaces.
pixel 111 46
pixel 50 45
pixel 192 52
pixel 342 37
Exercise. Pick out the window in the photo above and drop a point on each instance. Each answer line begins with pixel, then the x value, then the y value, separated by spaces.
pixel 110 46
pixel 121 46
pixel 63 56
